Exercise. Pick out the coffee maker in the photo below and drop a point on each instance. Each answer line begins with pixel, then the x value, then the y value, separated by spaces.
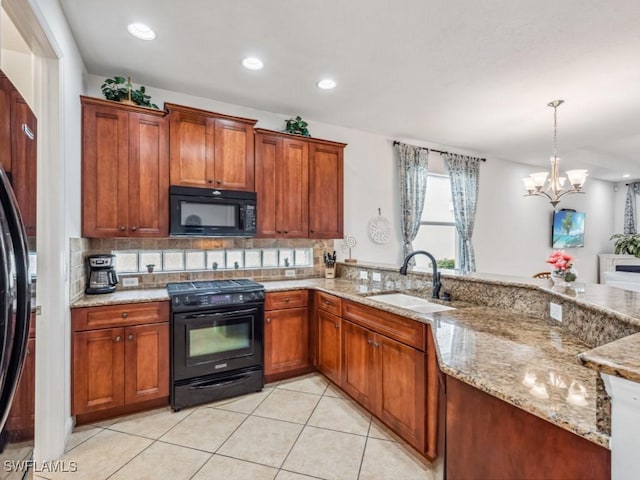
pixel 101 275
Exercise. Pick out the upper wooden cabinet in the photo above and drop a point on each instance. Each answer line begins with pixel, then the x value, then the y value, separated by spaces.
pixel 125 170
pixel 299 183
pixel 210 149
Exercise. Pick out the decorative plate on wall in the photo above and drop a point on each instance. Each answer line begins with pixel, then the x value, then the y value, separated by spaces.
pixel 380 229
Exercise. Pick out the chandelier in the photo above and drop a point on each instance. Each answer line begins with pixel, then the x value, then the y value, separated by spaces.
pixel 553 188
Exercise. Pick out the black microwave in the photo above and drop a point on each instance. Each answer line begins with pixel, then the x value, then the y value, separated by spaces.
pixel 207 212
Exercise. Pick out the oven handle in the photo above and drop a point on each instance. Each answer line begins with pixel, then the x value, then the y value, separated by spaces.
pixel 218 383
pixel 223 314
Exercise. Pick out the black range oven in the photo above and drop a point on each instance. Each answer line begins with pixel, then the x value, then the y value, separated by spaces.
pixel 216 340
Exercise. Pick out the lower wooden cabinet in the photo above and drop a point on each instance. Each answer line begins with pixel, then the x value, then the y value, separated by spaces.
pixel 329 345
pixel 386 377
pixel 123 365
pixel 286 335
pixel 20 422
pixel 489 438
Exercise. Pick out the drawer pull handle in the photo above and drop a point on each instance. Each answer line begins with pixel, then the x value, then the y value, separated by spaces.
pixel 336 325
pixel 125 314
pixel 268 319
pixel 369 341
pixel 287 300
pixel 117 339
pixel 376 344
pixel 133 229
pixel 122 228
pixel 210 180
pixel 327 302
pixel 219 182
pixel 130 336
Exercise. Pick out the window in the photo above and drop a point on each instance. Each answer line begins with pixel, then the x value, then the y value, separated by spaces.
pixel 437 233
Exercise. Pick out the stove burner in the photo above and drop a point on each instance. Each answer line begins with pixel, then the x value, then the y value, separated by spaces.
pixel 214 286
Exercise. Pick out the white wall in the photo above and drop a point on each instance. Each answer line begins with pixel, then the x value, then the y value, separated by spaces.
pixel 512 233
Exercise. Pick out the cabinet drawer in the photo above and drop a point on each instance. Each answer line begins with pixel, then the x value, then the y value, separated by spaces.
pixel 289 299
pixel 329 303
pixel 91 318
pixel 407 331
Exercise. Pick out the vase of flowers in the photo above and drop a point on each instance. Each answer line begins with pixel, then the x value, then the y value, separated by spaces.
pixel 562 263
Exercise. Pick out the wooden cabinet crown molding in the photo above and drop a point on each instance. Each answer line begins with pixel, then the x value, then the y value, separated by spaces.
pixel 172 107
pixel 265 131
pixel 99 102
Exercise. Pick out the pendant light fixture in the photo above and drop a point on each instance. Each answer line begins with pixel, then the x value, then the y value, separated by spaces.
pixel 552 187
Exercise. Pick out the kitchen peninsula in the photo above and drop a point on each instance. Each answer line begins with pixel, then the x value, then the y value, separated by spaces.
pixel 497 349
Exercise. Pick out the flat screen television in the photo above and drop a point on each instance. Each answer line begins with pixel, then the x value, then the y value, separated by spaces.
pixel 568 229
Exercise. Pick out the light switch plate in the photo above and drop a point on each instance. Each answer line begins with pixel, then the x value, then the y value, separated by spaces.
pixel 555 311
pixel 376 277
pixel 363 275
pixel 290 273
pixel 130 282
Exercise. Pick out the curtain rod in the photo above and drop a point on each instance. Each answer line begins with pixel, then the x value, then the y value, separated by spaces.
pixel 395 142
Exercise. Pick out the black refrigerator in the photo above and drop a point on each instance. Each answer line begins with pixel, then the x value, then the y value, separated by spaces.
pixel 15 298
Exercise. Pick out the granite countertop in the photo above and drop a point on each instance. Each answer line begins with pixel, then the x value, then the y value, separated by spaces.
pixel 522 360
pixel 619 358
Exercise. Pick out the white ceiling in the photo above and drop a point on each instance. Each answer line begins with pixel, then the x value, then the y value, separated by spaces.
pixel 466 74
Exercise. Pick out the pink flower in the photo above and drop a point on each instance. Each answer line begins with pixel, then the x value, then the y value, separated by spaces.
pixel 560 261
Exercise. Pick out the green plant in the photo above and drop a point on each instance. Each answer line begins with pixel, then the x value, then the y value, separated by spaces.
pixel 150 267
pixel 119 88
pixel 446 263
pixel 236 265
pixel 214 265
pixel 626 243
pixel 297 126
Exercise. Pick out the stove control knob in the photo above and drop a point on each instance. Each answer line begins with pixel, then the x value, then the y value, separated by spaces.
pixel 176 300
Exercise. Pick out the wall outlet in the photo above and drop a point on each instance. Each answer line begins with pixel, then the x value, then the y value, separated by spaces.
pixel 364 275
pixel 555 311
pixel 376 277
pixel 290 273
pixel 130 282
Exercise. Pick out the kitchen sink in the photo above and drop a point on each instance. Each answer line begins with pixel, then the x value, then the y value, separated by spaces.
pixel 417 304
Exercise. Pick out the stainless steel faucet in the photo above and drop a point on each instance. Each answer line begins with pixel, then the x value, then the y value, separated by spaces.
pixel 436 274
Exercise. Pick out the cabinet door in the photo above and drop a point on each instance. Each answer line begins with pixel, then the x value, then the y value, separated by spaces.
pixel 5 122
pixel 234 152
pixel 98 370
pixel 21 416
pixel 293 190
pixel 401 389
pixel 268 155
pixel 329 345
pixel 146 362
pixel 148 176
pixel 286 340
pixel 24 160
pixel 105 164
pixel 358 373
pixel 325 191
pixel 191 149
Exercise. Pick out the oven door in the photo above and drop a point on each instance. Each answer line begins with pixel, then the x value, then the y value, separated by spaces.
pixel 216 341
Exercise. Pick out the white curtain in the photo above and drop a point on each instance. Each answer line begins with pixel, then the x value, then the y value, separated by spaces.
pixel 412 164
pixel 630 208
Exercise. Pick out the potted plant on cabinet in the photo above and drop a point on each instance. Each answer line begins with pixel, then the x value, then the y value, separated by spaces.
pixel 297 126
pixel 121 90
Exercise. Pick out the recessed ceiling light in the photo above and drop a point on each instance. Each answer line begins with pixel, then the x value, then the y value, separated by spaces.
pixel 326 84
pixel 141 31
pixel 625 175
pixel 252 63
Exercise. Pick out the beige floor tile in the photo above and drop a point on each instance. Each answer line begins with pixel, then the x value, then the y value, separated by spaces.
pixel 288 405
pixel 326 454
pixel 313 383
pixel 243 404
pixel 333 391
pixel 225 468
pixel 162 460
pixel 385 460
pixel 151 424
pixel 340 414
pixel 205 429
pixel 101 455
pixel 81 434
pixel 262 440
pixel 15 451
pixel 284 475
pixel 380 431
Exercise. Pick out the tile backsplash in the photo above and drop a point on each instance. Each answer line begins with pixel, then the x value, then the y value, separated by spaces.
pixel 82 247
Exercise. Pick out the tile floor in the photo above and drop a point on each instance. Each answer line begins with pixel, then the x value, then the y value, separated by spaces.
pixel 293 430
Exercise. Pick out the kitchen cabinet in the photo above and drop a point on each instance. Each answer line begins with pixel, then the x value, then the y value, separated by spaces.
pixel 120 357
pixel 18 150
pixel 299 183
pixel 478 425
pixel 210 149
pixel 286 335
pixel 20 421
pixel 125 170
pixel 329 336
pixel 282 186
pixel 384 369
pixel 326 172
